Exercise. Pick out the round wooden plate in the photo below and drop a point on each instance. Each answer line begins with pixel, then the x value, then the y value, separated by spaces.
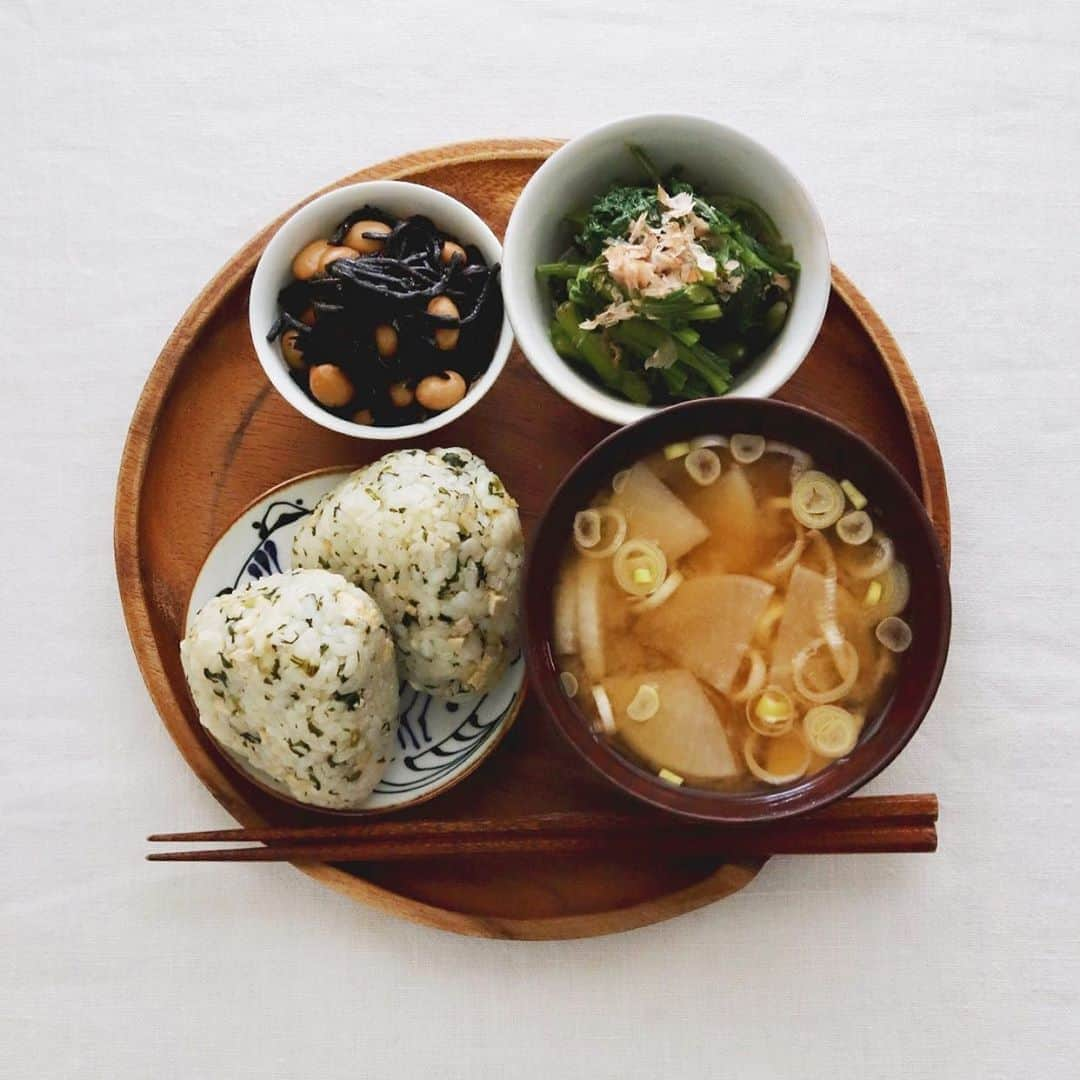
pixel 209 435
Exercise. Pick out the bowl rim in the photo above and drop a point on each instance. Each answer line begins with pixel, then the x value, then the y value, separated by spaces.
pixel 827 786
pixel 429 201
pixel 538 349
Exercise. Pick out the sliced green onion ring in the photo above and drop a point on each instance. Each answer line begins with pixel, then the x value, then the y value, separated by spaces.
pixel 590 527
pixel 828 559
pixel 603 710
pixel 787 556
pixel 676 450
pixel 816 500
pixel 830 730
pixel 769 622
pixel 872 558
pixel 569 683
pixel 703 466
pixel 857 498
pixel 664 593
pixel 895 592
pixel 645 704
pixel 753 746
pixel 706 442
pixel 640 567
pixel 770 712
pixel 894 634
pixel 755 676
pixel 800 459
pixel 618 481
pixel 586 529
pixel 844 656
pixel 855 528
pixel 746 449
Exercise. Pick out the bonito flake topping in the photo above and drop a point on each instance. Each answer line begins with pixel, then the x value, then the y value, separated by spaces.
pixel 656 261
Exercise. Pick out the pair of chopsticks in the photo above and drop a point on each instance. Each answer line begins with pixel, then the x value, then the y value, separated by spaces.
pixel 883 823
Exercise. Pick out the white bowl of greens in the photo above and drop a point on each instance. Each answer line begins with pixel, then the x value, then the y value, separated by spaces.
pixel 663 258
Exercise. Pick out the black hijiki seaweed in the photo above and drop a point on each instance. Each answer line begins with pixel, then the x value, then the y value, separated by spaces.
pixel 393 287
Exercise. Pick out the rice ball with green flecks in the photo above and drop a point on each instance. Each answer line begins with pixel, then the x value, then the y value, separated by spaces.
pixel 435 538
pixel 295 674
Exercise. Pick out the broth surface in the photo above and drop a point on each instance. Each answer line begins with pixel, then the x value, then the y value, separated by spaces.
pixel 717 637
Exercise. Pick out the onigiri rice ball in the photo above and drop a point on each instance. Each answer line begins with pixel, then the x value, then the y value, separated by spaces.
pixel 295 674
pixel 436 540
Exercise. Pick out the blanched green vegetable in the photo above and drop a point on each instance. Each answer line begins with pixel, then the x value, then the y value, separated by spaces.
pixel 592 349
pixel 667 295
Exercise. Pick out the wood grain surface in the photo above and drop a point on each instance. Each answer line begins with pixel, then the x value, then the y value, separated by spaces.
pixel 209 435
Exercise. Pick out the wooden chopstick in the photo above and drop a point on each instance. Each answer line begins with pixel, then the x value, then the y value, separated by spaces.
pixel 696 843
pixel 898 809
pixel 872 824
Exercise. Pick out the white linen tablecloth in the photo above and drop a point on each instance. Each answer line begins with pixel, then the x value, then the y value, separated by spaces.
pixel 143 144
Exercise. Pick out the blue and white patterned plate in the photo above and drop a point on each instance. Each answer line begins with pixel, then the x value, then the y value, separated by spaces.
pixel 438 742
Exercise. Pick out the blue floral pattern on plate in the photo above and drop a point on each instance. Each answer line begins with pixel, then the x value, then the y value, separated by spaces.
pixel 438 742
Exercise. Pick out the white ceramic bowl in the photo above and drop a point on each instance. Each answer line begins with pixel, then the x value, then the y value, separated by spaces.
pixel 318 219
pixel 713 155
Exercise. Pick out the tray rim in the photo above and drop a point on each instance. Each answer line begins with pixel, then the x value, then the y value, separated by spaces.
pixel 729 877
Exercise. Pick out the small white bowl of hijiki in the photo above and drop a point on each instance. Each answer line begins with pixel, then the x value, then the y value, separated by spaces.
pixel 661 259
pixel 376 310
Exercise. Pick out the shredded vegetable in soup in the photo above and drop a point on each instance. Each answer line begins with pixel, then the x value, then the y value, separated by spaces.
pixel 729 615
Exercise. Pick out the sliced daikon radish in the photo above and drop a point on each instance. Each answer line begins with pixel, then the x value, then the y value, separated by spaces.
pixel 565 631
pixel 654 512
pixel 707 625
pixel 806 609
pixel 686 734
pixel 590 634
pixel 730 511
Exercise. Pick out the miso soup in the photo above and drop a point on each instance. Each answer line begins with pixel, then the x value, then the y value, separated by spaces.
pixel 729 615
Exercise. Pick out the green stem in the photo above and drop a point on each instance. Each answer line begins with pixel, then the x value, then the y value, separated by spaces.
pixel 707 364
pixel 565 270
pixel 594 351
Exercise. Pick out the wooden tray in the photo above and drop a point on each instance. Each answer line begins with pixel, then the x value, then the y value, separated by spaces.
pixel 209 434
